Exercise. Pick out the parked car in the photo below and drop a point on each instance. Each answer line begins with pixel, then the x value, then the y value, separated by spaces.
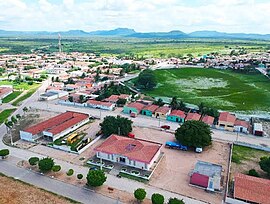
pixel 198 150
pixel 166 127
pixel 131 135
pixel 93 168
pixel 175 145
pixel 133 115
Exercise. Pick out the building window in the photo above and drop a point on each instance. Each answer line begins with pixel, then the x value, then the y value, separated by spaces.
pixel 108 156
pixel 98 154
pixel 112 157
pixel 134 163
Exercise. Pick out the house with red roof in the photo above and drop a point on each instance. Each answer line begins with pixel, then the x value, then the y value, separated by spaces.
pixel 5 91
pixel 100 105
pixel 149 110
pixel 114 98
pixel 251 189
pixel 55 127
pixel 193 116
pixel 162 112
pixel 132 152
pixel 177 116
pixel 226 121
pixel 241 126
pixel 209 120
pixel 134 107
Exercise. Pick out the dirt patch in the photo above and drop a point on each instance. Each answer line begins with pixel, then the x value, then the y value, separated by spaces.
pixel 173 172
pixel 17 192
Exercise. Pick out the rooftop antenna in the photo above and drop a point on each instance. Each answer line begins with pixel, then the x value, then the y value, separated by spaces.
pixel 59 43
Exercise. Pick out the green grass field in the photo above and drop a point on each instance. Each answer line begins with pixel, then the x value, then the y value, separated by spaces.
pixel 19 86
pixel 222 89
pixel 11 96
pixel 29 93
pixel 5 114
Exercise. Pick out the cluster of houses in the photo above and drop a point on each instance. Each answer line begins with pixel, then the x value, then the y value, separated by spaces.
pixel 226 120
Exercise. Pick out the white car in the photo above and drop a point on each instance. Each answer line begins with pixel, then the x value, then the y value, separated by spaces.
pixel 198 150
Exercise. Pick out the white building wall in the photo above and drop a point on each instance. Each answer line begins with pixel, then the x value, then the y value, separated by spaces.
pixel 237 129
pixel 26 136
pixel 132 163
pixel 65 132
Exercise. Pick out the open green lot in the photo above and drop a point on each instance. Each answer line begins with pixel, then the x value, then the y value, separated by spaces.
pixel 29 93
pixel 19 86
pixel 5 114
pixel 11 96
pixel 221 89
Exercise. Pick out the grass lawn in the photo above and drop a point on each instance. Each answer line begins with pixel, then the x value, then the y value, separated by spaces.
pixel 5 114
pixel 25 96
pixel 19 86
pixel 133 177
pixel 221 89
pixel 242 154
pixel 11 96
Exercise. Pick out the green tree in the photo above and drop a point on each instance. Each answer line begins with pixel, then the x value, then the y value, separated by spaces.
pixel 253 172
pixel 265 164
pixel 121 102
pixel 175 201
pixel 33 161
pixel 116 125
pixel 83 75
pixel 140 194
pixel 56 168
pixel 14 120
pixel 146 80
pixel 70 98
pixel 18 116
pixel 46 164
pixel 194 133
pixel 174 103
pixel 82 98
pixel 70 172
pixel 96 178
pixel 157 198
pixel 4 153
pixel 79 176
pixel 25 109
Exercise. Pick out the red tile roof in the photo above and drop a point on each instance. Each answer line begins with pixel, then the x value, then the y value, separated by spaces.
pixel 112 98
pixel 124 96
pixel 252 189
pixel 241 123
pixel 134 149
pixel 178 113
pixel 151 108
pixel 193 116
pixel 199 180
pixel 208 119
pixel 227 117
pixel 58 123
pixel 4 91
pixel 163 109
pixel 138 106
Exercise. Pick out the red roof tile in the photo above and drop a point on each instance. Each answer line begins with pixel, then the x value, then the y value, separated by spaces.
pixel 151 108
pixel 178 113
pixel 199 180
pixel 112 98
pixel 138 106
pixel 193 116
pixel 58 123
pixel 251 188
pixel 241 123
pixel 227 117
pixel 134 149
pixel 208 119
pixel 163 109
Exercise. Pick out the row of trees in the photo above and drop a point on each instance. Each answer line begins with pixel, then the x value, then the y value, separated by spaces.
pixel 156 198
pixel 94 177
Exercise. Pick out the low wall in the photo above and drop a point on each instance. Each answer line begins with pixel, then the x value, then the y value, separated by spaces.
pixel 89 144
pixel 267 149
pixel 234 201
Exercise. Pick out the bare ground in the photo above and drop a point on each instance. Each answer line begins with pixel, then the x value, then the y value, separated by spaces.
pixel 16 192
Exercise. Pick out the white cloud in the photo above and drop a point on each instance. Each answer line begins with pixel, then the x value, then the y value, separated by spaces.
pixel 143 15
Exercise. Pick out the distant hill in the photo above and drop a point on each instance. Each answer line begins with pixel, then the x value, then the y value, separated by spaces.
pixel 215 34
pixel 127 32
pixel 115 32
pixel 171 34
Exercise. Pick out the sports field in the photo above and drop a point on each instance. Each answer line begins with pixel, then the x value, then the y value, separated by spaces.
pixel 222 89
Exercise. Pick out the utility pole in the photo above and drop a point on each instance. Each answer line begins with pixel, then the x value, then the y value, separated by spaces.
pixel 118 130
pixel 11 139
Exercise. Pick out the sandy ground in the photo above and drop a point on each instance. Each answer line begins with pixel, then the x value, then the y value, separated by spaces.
pixel 16 192
pixel 173 172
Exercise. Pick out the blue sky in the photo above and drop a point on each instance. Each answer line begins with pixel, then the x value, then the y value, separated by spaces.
pixel 249 16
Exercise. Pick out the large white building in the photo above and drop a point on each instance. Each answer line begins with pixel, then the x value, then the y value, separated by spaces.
pixel 55 127
pixel 128 151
